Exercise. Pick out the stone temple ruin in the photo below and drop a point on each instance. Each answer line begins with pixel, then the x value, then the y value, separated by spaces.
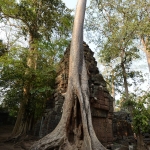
pixel 100 99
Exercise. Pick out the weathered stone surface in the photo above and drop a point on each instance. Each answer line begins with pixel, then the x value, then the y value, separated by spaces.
pixel 100 99
pixel 122 128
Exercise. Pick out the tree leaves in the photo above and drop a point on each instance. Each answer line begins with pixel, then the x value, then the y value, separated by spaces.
pixel 40 18
pixel 115 30
pixel 46 25
pixel 139 109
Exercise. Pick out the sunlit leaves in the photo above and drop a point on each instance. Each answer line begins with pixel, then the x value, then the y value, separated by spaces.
pixel 42 80
pixel 140 112
pixel 39 18
pixel 45 25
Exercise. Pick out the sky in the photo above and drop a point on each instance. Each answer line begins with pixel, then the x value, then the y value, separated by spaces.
pixel 72 3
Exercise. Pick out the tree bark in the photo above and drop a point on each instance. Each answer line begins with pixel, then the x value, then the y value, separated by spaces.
pixel 124 74
pixel 113 88
pixel 25 118
pixel 75 129
pixel 145 50
pixel 148 59
pixel 125 81
pixel 140 142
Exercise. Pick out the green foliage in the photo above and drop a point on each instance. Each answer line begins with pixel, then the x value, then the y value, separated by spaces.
pixel 118 23
pixel 41 19
pixel 115 27
pixel 139 108
pixel 3 48
pixel 42 80
pixel 141 118
pixel 46 25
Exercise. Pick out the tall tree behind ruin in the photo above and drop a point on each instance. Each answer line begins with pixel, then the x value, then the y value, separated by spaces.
pixel 118 27
pixel 75 129
pixel 132 14
pixel 37 20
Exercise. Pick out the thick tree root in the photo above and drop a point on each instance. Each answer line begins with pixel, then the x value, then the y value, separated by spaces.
pixel 75 130
pixel 50 141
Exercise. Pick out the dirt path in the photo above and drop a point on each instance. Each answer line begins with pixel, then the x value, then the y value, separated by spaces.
pixel 5 132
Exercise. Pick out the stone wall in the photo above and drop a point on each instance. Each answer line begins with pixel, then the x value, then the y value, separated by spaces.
pixel 100 99
pixel 122 128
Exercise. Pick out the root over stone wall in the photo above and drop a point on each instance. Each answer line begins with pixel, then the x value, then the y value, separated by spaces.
pixel 100 99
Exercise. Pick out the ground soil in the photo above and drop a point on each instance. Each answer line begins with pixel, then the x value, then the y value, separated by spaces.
pixel 5 144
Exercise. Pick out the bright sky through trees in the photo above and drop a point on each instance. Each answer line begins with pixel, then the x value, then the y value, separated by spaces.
pixel 72 4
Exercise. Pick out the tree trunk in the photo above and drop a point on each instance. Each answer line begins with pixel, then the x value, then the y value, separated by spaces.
pixel 113 88
pixel 125 81
pixel 148 59
pixel 24 121
pixel 25 118
pixel 75 129
pixel 145 49
pixel 140 142
pixel 124 75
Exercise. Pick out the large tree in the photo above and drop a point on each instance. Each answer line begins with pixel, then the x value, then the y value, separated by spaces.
pixel 115 15
pixel 118 26
pixel 36 20
pixel 75 129
pixel 12 78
